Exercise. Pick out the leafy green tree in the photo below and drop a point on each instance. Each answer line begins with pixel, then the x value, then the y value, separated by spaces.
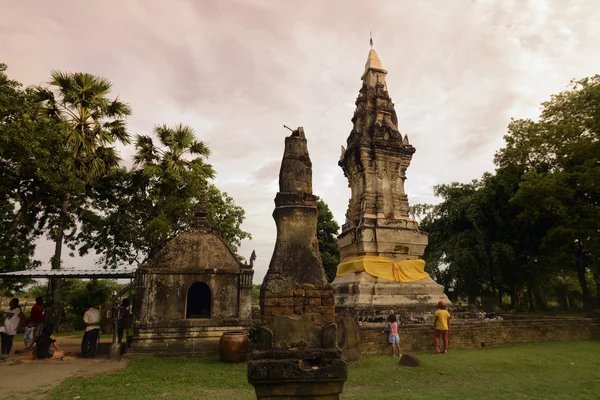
pixel 560 188
pixel 96 123
pixel 136 212
pixel 226 218
pixel 33 173
pixel 327 231
pixel 533 225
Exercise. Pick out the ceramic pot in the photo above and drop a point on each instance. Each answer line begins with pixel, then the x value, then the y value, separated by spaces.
pixel 233 347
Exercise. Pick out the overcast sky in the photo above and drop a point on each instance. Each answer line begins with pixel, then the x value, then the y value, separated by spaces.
pixel 236 71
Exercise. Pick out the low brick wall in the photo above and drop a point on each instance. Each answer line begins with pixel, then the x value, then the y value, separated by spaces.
pixel 470 334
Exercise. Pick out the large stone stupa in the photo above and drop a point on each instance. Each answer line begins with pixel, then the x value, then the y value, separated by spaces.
pixel 380 243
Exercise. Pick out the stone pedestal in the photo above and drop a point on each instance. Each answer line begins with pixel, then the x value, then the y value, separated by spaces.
pixel 296 357
pixel 364 292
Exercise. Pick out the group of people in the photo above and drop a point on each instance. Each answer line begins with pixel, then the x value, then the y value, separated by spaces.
pixel 38 336
pixel 441 327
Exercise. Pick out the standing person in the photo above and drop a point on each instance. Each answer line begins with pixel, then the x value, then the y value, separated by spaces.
pixel 92 331
pixel 13 320
pixel 393 337
pixel 37 316
pixel 441 325
pixel 124 321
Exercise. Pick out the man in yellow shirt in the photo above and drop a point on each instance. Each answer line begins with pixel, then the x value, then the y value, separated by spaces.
pixel 441 325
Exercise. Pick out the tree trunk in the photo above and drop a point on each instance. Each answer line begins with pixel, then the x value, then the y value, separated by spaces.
pixel 596 276
pixel 531 296
pixel 515 299
pixel 540 302
pixel 588 302
pixel 500 297
pixel 56 259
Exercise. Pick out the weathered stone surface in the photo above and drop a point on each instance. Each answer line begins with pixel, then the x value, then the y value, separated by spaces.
pixel 264 339
pixel 296 260
pixel 409 360
pixel 164 322
pixel 295 270
pixel 290 331
pixel 348 336
pixel 296 355
pixel 377 220
pixel 329 334
pixel 472 333
pixel 364 291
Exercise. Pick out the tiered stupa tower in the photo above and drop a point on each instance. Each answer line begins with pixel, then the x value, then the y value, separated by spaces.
pixel 378 221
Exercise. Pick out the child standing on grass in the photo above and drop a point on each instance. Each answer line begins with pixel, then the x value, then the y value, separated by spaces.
pixel 28 336
pixel 393 337
pixel 441 325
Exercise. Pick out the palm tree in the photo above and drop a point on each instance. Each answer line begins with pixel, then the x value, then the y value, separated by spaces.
pixel 97 123
pixel 172 171
pixel 171 158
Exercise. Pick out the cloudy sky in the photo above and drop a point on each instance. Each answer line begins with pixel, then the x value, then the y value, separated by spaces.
pixel 237 70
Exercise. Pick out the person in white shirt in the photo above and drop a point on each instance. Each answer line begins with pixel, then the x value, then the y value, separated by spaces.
pixel 92 330
pixel 13 319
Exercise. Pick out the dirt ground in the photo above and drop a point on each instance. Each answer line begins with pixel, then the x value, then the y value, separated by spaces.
pixel 33 379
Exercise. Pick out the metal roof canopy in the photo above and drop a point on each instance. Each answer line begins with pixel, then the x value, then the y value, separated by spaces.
pixel 118 273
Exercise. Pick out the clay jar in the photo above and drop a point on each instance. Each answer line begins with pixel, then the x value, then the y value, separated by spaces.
pixel 233 347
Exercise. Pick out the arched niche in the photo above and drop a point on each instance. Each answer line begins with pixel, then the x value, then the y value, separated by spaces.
pixel 198 304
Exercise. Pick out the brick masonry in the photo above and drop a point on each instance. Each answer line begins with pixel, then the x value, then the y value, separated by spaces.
pixel 299 301
pixel 472 334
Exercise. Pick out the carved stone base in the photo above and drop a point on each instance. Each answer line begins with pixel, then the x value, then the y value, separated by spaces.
pixel 317 390
pixel 363 291
pixel 199 341
pixel 296 357
pixel 298 374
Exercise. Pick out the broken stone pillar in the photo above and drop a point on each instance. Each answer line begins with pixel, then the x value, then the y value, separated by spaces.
pixel 296 354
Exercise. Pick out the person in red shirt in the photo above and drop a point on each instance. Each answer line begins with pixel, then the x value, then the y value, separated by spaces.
pixel 37 316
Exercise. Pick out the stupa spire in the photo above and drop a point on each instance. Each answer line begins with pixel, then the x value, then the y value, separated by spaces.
pixel 200 222
pixel 374 73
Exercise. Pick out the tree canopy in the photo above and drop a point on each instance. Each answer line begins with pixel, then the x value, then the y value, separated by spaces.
pixel 60 176
pixel 327 231
pixel 532 227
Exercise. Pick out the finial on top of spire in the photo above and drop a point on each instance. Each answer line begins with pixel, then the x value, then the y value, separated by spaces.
pixel 371 39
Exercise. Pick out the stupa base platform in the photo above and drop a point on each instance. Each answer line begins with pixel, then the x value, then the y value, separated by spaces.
pixel 362 291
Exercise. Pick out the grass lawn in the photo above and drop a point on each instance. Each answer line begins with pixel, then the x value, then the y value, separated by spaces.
pixel 551 370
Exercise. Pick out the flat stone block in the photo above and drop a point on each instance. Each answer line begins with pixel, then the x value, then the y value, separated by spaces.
pixel 299 390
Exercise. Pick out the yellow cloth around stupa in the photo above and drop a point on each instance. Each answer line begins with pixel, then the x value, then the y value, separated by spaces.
pixel 381 267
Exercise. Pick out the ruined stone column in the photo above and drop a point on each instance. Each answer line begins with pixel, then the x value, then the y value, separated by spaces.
pixel 296 355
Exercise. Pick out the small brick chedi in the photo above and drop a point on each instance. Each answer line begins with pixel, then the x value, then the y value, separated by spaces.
pixel 380 244
pixel 192 291
pixel 295 353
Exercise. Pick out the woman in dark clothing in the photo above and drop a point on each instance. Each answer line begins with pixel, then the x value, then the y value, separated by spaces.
pixel 124 321
pixel 45 345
